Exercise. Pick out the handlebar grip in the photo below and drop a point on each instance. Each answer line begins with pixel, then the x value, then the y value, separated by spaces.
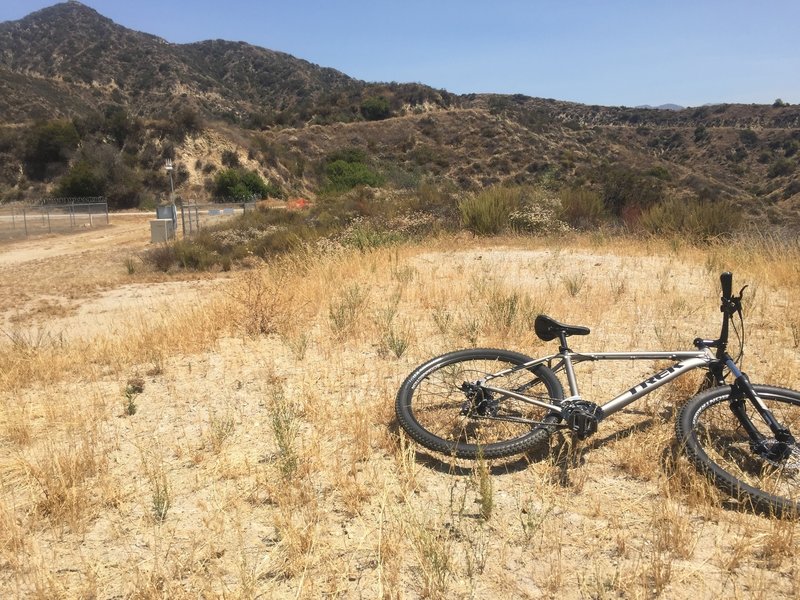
pixel 726 279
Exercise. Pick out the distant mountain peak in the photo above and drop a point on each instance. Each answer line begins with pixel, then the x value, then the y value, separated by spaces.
pixel 662 107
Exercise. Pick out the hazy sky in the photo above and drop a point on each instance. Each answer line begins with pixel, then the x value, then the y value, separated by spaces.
pixel 609 52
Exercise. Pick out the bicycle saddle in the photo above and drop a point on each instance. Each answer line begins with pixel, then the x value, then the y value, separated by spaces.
pixel 548 329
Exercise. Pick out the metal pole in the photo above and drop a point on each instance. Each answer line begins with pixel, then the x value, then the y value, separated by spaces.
pixel 25 220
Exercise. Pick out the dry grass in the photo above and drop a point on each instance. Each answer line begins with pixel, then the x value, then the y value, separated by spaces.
pixel 262 458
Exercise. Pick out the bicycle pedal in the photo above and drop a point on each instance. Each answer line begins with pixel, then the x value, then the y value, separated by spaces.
pixel 582 418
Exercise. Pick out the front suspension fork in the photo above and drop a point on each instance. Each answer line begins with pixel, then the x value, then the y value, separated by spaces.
pixel 773 449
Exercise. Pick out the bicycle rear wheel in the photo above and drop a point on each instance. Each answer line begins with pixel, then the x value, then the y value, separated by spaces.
pixel 434 408
pixel 719 447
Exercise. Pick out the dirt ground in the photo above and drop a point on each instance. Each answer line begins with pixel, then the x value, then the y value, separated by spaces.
pixel 362 513
pixel 77 284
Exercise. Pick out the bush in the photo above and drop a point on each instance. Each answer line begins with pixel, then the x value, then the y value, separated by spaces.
pixel 489 211
pixel 343 176
pixel 230 158
pixel 49 143
pixel 375 109
pixel 161 257
pixel 582 208
pixel 191 255
pixel 780 167
pixel 81 182
pixel 692 218
pixel 625 191
pixel 243 185
pixel 347 169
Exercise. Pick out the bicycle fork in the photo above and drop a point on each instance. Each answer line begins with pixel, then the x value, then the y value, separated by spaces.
pixel 772 450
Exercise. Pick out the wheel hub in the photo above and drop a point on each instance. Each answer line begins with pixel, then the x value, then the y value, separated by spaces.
pixel 479 402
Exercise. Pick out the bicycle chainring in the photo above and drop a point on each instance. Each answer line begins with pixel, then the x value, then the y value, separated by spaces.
pixel 581 417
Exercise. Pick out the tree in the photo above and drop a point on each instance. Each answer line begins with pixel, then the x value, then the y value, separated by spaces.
pixel 242 185
pixel 81 182
pixel 375 108
pixel 49 144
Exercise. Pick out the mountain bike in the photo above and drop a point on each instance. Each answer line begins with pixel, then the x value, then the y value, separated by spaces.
pixel 494 403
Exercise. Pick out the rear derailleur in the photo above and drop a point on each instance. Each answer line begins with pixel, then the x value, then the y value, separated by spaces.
pixel 479 402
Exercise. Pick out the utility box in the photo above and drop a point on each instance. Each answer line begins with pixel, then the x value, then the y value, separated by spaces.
pixel 161 230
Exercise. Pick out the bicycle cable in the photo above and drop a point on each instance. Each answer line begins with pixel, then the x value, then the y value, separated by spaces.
pixel 739 330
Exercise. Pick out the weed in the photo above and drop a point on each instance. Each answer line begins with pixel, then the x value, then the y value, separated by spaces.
pixel 133 388
pixel 433 557
pixel 394 342
pixel 130 265
pixel 285 427
pixel 574 283
pixel 443 319
pixel 485 488
pixel 161 496
pixel 221 429
pixel 344 312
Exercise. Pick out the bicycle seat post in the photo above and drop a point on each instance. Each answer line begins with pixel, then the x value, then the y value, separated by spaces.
pixel 565 352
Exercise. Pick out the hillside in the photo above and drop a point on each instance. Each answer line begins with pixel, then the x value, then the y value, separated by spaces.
pixel 135 100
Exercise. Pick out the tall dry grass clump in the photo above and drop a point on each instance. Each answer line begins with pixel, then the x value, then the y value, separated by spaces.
pixel 263 458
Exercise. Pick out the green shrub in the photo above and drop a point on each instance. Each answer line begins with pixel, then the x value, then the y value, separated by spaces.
pixel 692 218
pixel 81 181
pixel 782 166
pixel 375 108
pixel 49 143
pixel 348 168
pixel 192 255
pixel 241 184
pixel 161 257
pixel 582 208
pixel 625 191
pixel 488 212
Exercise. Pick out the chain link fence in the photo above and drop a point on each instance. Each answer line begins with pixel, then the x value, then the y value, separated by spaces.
pixel 194 216
pixel 52 215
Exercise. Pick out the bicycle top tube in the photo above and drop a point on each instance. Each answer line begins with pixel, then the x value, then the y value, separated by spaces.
pixel 685 361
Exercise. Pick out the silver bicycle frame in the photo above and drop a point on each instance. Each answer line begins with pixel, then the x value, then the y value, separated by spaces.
pixel 685 361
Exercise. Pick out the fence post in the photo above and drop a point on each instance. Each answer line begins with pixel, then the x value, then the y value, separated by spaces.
pixel 25 220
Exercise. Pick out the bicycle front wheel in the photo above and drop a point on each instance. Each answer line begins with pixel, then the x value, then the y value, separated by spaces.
pixel 439 410
pixel 719 447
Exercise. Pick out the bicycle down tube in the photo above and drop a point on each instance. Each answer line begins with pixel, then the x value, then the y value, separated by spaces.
pixel 687 361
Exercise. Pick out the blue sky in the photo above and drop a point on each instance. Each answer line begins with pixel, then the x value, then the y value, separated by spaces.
pixel 608 52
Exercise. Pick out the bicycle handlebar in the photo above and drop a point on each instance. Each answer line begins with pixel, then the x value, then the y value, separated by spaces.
pixel 726 279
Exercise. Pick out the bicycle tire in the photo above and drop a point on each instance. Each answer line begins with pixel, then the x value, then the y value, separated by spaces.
pixel 429 405
pixel 717 445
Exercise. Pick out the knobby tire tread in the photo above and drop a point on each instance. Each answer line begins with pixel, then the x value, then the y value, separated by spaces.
pixel 404 408
pixel 760 500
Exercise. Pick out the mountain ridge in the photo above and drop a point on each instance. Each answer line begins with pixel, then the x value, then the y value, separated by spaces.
pixel 137 99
